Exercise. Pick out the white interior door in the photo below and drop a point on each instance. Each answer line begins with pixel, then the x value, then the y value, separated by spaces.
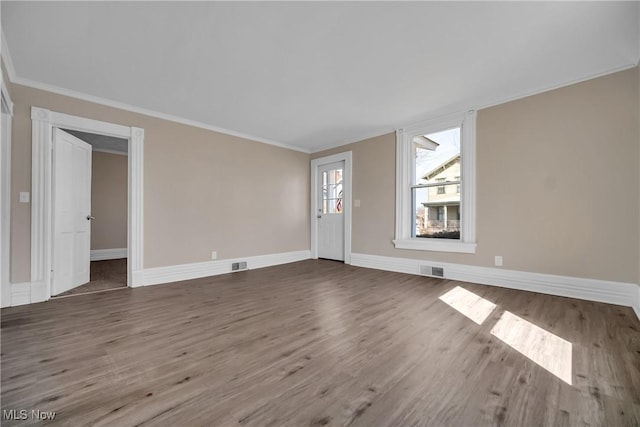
pixel 71 211
pixel 331 211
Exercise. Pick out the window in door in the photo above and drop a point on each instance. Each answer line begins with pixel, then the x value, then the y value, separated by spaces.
pixel 332 191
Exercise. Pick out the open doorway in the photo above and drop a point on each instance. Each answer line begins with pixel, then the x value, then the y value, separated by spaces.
pixel 106 219
pixel 44 122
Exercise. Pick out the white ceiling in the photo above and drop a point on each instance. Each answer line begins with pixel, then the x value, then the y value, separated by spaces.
pixel 314 75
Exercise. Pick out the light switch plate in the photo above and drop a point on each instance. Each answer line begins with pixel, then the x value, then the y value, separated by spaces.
pixel 24 197
pixel 356 203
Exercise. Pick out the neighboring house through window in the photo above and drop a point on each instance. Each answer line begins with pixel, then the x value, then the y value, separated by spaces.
pixel 435 185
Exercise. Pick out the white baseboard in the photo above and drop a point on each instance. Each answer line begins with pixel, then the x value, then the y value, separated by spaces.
pixel 620 293
pixel 625 294
pixel 32 292
pixel 20 293
pixel 104 254
pixel 175 273
pixel 28 293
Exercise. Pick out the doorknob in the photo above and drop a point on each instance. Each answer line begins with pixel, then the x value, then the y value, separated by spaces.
pixel 90 218
pixel 319 216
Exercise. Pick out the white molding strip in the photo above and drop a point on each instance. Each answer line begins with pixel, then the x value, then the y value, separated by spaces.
pixel 5 193
pixel 482 104
pixel 361 137
pixel 135 218
pixel 6 58
pixel 28 293
pixel 20 293
pixel 619 293
pixel 175 273
pixel 136 206
pixel 32 292
pixel 542 89
pixel 40 193
pixel 40 291
pixel 147 112
pixel 7 103
pixel 105 254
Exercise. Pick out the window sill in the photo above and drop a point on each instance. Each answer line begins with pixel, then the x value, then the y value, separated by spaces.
pixel 436 245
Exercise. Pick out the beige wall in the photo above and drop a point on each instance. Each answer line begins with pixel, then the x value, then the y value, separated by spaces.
pixel 203 190
pixel 558 187
pixel 108 200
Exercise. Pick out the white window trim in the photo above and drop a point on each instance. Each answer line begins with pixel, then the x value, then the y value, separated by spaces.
pixel 404 178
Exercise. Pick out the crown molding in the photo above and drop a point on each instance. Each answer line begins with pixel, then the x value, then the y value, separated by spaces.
pixel 482 104
pixel 13 78
pixel 359 138
pixel 486 103
pixel 542 89
pixel 144 111
pixel 6 58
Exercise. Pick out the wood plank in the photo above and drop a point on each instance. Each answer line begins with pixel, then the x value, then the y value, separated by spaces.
pixel 314 343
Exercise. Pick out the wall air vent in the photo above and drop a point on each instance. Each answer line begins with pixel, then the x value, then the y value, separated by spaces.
pixel 429 270
pixel 239 266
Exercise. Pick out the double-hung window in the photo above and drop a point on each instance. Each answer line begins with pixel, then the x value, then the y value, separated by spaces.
pixel 435 185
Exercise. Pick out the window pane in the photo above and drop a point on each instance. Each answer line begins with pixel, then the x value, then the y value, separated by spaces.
pixel 332 206
pixel 437 156
pixel 332 192
pixel 437 209
pixel 433 218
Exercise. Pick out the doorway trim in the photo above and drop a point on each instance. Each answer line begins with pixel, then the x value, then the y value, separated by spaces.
pixel 315 164
pixel 42 123
pixel 5 194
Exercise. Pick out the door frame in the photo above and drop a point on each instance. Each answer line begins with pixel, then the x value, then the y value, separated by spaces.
pixel 347 205
pixel 42 123
pixel 5 195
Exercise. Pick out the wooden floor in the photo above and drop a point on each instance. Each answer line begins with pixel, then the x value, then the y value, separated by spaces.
pixel 105 275
pixel 316 343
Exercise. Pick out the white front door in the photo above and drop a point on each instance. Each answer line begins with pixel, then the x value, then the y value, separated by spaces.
pixel 330 213
pixel 71 211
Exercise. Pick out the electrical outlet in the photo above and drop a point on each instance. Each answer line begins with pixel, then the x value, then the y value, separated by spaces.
pixel 24 197
pixel 356 203
pixel 214 255
pixel 498 261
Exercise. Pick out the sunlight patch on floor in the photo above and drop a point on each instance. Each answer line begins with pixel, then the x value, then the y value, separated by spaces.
pixel 542 347
pixel 471 305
